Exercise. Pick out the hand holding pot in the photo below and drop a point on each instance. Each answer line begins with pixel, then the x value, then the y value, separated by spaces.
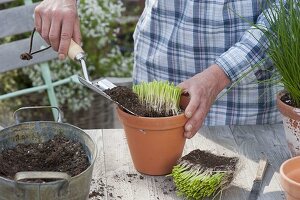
pixel 203 89
pixel 57 22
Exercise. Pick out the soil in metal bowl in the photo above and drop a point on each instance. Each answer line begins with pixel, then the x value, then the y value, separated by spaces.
pixel 58 154
pixel 128 99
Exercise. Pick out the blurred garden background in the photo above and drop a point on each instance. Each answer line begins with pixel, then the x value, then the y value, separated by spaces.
pixel 107 27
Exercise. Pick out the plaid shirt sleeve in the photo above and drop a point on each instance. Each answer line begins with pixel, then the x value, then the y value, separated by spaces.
pixel 248 52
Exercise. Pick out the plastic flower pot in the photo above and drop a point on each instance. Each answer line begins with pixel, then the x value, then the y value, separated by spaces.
pixel 291 123
pixel 155 144
pixel 290 178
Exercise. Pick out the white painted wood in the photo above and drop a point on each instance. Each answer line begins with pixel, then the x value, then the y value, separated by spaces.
pixel 118 164
pixel 17 20
pixel 5 1
pixel 222 142
pixel 253 141
pixel 10 54
pixel 98 183
pixel 114 164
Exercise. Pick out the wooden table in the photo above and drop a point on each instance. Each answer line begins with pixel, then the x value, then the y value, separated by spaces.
pixel 115 177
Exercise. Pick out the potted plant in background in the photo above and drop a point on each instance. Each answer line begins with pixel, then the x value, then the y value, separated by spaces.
pixel 284 50
pixel 155 137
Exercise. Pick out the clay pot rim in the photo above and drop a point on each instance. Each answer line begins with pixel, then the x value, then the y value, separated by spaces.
pixel 151 123
pixel 283 174
pixel 148 118
pixel 285 109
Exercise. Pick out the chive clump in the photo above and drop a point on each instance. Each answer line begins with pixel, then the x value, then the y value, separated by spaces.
pixel 201 175
pixel 159 96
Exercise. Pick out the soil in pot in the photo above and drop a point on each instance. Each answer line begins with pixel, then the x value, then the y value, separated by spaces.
pixel 59 154
pixel 286 98
pixel 127 98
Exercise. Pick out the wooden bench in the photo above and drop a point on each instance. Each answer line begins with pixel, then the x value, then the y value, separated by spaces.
pixel 20 20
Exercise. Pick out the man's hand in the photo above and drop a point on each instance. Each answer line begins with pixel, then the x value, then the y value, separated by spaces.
pixel 57 22
pixel 203 89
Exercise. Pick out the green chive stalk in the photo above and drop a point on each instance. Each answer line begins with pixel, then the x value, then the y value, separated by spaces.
pixel 283 49
pixel 159 96
pixel 197 183
pixel 201 174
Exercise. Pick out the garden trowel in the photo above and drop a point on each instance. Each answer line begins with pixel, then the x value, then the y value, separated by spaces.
pixel 76 53
pixel 257 183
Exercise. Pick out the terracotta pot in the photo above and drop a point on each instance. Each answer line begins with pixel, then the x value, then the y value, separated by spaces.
pixel 291 123
pixel 155 144
pixel 290 178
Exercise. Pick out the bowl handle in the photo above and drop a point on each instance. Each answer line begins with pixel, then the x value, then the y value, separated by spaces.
pixel 15 115
pixel 44 175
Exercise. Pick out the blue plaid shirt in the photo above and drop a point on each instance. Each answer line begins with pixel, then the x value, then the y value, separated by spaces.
pixel 176 39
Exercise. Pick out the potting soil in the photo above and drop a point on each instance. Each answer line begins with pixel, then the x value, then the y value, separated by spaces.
pixel 58 154
pixel 127 98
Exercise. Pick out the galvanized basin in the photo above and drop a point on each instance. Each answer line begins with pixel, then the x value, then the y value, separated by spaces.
pixel 66 188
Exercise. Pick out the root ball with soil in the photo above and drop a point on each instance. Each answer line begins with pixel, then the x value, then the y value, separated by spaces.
pixel 201 174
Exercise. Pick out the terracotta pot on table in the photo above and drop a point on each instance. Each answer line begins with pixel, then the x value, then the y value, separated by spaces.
pixel 290 178
pixel 155 144
pixel 291 123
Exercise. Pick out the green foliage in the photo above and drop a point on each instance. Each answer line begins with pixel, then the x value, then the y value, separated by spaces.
pixel 196 183
pixel 159 96
pixel 283 34
pixel 101 29
pixel 284 48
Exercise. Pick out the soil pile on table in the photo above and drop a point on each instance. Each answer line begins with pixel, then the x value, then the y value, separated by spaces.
pixel 128 99
pixel 58 154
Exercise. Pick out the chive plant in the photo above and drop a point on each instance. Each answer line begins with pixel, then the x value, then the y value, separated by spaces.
pixel 283 49
pixel 197 184
pixel 196 179
pixel 159 96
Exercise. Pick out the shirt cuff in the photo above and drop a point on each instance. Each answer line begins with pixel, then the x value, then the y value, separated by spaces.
pixel 234 62
pixel 245 54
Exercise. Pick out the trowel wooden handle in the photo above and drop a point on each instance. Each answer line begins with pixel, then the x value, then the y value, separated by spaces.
pixel 74 50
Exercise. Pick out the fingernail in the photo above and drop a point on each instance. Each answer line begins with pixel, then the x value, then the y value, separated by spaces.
pixel 189 127
pixel 61 57
pixel 187 134
pixel 188 114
